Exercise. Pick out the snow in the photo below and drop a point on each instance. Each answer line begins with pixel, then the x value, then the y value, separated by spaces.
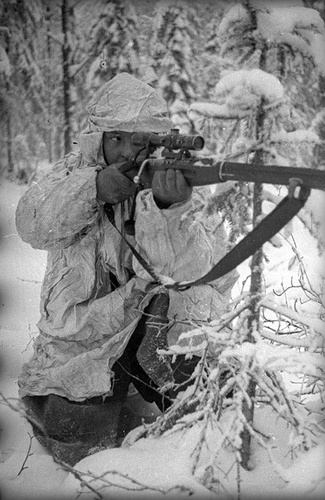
pixel 314 462
pixel 254 81
pixel 213 110
pixel 300 27
pixel 235 14
pixel 148 468
pixel 171 469
pixel 287 19
pixel 297 136
pixel 291 26
pixel 164 466
pixel 274 358
pixel 239 93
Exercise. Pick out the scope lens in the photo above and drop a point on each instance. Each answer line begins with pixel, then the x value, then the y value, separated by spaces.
pixel 198 142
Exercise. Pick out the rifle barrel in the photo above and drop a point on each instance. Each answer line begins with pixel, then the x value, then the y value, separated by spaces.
pixel 204 171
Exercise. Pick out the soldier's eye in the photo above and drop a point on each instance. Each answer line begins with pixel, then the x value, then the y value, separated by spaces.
pixel 116 138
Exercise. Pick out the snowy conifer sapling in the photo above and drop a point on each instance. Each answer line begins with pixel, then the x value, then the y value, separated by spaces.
pixel 244 362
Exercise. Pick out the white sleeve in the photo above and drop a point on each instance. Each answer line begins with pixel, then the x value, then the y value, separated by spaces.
pixel 59 207
pixel 174 241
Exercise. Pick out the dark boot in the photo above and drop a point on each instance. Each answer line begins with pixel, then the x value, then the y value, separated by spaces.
pixel 155 328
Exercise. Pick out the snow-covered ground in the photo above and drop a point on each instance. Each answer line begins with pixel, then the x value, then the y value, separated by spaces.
pixel 150 468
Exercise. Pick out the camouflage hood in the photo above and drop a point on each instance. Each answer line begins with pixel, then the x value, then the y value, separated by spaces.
pixel 126 104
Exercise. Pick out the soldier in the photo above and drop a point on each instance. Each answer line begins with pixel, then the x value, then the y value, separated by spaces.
pixel 95 295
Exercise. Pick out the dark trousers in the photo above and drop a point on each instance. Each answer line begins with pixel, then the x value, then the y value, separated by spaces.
pixel 71 430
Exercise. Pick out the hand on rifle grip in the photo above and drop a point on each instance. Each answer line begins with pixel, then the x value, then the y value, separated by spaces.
pixel 169 187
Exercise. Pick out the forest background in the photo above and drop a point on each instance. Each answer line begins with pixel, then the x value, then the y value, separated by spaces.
pixel 55 54
pixel 251 80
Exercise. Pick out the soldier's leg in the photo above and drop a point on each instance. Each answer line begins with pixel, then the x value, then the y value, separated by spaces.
pixel 72 430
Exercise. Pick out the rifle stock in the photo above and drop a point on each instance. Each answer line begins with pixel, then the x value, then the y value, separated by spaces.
pixel 205 171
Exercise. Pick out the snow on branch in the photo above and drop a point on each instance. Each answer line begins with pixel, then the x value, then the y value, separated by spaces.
pixel 297 27
pixel 315 325
pixel 275 22
pixel 289 340
pixel 254 82
pixel 237 13
pixel 276 359
pixel 213 336
pixel 213 110
pixel 296 137
pixel 240 93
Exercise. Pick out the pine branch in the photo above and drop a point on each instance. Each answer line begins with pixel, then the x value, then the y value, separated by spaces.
pixel 74 69
pixel 314 325
pixel 289 340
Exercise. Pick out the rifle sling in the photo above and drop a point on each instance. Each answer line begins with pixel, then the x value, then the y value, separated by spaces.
pixel 263 232
pixel 110 215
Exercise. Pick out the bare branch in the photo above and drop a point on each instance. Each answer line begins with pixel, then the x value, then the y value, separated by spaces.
pixel 314 325
pixel 291 341
pixel 19 409
pixel 28 454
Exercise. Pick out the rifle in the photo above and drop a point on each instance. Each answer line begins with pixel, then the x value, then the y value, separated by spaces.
pixel 204 171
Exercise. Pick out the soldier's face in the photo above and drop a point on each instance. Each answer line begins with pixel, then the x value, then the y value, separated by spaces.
pixel 118 147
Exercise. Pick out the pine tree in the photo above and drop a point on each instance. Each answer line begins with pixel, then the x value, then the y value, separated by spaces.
pixel 34 93
pixel 55 55
pixel 25 87
pixel 319 121
pixel 261 125
pixel 293 137
pixel 113 43
pixel 174 60
pixel 209 61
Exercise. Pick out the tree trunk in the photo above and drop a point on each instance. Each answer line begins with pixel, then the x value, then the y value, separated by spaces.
pixel 49 86
pixel 65 13
pixel 9 145
pixel 10 161
pixel 253 322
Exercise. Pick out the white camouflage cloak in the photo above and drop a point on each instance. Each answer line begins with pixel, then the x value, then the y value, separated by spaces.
pixel 84 326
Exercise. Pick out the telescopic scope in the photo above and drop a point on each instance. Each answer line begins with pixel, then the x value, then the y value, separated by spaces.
pixel 174 140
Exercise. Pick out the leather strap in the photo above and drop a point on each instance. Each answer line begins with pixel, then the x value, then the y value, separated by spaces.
pixel 263 232
pixel 110 215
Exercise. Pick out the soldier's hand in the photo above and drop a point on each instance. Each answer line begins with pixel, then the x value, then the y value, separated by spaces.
pixel 170 186
pixel 113 183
